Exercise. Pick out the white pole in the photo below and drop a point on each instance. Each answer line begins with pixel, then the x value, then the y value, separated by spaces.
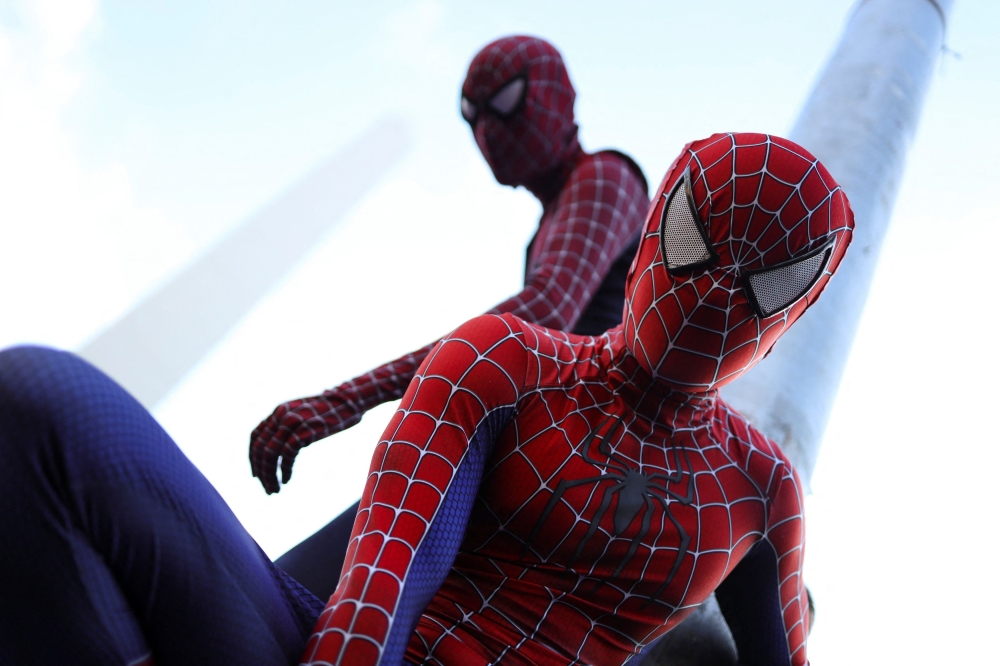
pixel 859 121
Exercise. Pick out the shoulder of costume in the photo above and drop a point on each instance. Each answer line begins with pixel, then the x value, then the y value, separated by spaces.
pixel 488 327
pixel 633 166
pixel 735 424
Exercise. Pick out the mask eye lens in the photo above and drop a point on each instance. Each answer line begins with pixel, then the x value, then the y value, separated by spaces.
pixel 775 288
pixel 468 110
pixel 682 236
pixel 507 100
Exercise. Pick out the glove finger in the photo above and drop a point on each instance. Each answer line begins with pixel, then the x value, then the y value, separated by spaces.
pixel 254 454
pixel 287 460
pixel 268 476
pixel 265 458
pixel 260 445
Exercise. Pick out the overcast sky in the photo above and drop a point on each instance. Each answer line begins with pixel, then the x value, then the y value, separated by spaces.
pixel 134 135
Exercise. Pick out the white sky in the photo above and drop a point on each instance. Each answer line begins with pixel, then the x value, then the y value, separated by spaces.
pixel 133 135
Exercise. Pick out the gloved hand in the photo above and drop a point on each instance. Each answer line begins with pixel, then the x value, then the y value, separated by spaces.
pixel 301 422
pixel 293 425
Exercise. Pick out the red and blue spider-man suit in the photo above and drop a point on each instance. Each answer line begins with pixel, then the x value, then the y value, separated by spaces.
pixel 518 100
pixel 545 498
pixel 539 497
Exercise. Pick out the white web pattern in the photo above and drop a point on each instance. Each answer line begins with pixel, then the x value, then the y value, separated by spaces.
pixel 704 444
pixel 756 217
pixel 585 542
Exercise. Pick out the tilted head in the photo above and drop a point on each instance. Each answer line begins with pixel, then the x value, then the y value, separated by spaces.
pixel 741 237
pixel 518 99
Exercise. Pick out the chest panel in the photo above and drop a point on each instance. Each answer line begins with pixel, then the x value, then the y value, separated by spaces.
pixel 597 526
pixel 612 509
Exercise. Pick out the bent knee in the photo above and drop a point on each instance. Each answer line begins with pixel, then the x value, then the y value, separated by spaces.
pixel 32 378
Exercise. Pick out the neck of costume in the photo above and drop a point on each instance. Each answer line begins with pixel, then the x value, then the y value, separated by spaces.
pixel 548 186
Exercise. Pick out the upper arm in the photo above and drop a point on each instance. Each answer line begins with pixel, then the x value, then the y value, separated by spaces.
pixel 422 482
pixel 764 599
pixel 601 208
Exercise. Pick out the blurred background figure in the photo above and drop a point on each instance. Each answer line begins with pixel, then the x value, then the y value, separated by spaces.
pixel 518 100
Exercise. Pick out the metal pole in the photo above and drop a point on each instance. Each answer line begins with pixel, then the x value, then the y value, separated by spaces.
pixel 859 121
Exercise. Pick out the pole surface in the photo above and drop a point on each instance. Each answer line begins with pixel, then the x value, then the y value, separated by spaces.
pixel 859 120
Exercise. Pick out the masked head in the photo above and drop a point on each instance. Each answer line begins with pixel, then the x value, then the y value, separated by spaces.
pixel 742 236
pixel 518 99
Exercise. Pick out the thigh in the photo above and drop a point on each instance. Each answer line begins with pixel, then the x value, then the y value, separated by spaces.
pixel 115 519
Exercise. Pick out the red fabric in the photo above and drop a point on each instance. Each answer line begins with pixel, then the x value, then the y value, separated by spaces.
pixel 593 206
pixel 613 502
pixel 581 233
pixel 764 200
pixel 524 149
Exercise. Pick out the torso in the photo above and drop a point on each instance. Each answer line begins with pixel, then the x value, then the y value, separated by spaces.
pixel 593 480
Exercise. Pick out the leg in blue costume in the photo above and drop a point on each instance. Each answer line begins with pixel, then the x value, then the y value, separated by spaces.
pixel 114 546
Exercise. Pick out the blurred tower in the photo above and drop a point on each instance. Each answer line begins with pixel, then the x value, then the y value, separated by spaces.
pixel 153 346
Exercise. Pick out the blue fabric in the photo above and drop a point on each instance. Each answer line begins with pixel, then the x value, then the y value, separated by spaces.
pixel 317 561
pixel 437 551
pixel 750 601
pixel 114 545
pixel 639 659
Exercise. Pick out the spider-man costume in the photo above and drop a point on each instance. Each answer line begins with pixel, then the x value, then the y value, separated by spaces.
pixel 518 100
pixel 539 497
pixel 544 498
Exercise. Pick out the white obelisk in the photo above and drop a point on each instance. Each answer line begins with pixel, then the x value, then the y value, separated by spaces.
pixel 154 345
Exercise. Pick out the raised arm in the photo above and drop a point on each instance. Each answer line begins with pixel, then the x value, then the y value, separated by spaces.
pixel 422 484
pixel 599 210
pixel 764 599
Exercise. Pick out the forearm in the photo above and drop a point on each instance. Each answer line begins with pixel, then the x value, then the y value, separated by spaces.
pixel 343 406
pixel 298 423
pixel 383 384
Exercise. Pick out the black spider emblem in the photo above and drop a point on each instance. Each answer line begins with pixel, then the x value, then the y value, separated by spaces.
pixel 634 490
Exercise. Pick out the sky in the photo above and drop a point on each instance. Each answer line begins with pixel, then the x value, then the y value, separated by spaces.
pixel 133 136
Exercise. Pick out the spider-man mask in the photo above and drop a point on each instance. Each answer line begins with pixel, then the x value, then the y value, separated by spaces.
pixel 518 99
pixel 742 236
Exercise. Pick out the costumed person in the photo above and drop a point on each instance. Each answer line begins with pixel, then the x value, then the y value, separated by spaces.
pixel 544 498
pixel 539 497
pixel 518 100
